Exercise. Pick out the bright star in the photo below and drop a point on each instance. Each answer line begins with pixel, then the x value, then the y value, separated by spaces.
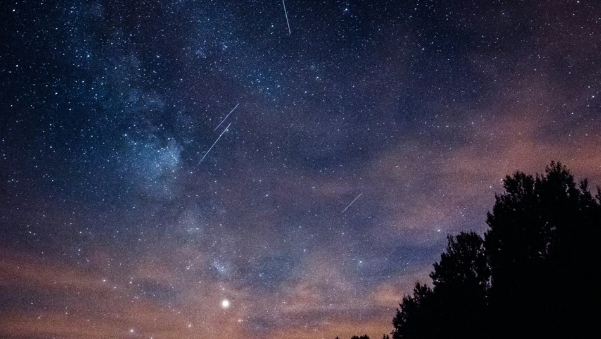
pixel 225 304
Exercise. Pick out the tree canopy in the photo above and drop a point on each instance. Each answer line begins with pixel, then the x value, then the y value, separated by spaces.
pixel 533 274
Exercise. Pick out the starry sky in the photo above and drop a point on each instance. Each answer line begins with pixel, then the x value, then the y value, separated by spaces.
pixel 268 169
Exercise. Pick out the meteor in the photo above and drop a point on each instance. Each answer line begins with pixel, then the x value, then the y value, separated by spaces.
pixel 286 13
pixel 203 157
pixel 233 109
pixel 349 205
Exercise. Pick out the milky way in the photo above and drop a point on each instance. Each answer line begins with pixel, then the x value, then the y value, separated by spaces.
pixel 117 221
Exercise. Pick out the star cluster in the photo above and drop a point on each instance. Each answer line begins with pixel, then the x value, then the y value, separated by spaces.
pixel 199 169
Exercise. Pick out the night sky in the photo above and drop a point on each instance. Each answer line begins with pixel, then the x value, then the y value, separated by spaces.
pixel 241 169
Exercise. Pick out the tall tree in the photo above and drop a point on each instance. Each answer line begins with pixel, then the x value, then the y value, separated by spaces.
pixel 456 305
pixel 534 274
pixel 461 282
pixel 415 317
pixel 541 247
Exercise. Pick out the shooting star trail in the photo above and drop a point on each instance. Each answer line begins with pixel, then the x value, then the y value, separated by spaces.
pixel 233 109
pixel 349 205
pixel 286 13
pixel 203 157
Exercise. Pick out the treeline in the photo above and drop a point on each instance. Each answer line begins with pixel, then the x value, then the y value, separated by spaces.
pixel 535 273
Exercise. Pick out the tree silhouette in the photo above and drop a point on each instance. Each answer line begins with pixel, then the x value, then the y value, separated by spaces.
pixel 542 252
pixel 456 305
pixel 414 318
pixel 534 274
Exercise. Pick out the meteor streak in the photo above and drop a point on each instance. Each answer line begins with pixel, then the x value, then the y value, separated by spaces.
pixel 286 13
pixel 203 157
pixel 233 109
pixel 349 205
